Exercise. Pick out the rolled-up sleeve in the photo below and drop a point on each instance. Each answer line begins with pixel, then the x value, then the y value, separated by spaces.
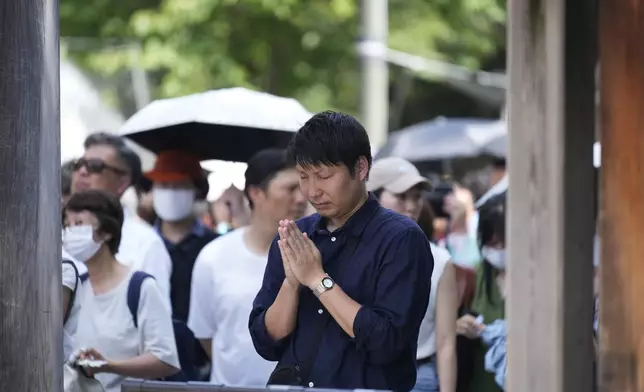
pixel 387 328
pixel 265 345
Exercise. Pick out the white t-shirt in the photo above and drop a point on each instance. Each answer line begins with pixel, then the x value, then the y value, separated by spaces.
pixel 105 324
pixel 225 281
pixel 71 281
pixel 143 250
pixel 427 334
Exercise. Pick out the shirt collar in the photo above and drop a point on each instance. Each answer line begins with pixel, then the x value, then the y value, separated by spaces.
pixel 357 222
pixel 198 229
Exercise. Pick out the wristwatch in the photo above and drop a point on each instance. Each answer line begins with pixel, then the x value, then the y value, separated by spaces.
pixel 325 284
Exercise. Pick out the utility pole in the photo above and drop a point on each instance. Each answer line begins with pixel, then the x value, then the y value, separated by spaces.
pixel 374 73
pixel 30 259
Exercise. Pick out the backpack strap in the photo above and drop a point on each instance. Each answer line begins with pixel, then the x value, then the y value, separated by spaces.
pixel 134 294
pixel 73 296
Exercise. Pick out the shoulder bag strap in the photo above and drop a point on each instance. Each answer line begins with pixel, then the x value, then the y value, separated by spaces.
pixel 134 294
pixel 72 297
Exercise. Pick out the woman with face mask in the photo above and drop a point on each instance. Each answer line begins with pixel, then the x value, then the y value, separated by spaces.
pixel 400 187
pixel 106 326
pixel 488 304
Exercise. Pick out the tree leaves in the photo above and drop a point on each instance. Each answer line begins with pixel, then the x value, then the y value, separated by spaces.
pixel 303 49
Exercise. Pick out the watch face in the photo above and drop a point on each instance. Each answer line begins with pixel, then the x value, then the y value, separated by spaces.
pixel 327 283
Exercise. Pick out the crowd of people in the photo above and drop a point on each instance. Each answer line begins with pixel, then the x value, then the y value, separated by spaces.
pixel 382 286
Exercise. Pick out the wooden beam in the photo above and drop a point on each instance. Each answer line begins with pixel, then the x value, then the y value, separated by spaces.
pixel 30 261
pixel 551 58
pixel 622 267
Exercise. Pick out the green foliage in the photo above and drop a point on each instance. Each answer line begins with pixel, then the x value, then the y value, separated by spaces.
pixel 299 48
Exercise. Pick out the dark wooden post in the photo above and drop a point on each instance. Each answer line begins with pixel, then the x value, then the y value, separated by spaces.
pixel 552 56
pixel 622 266
pixel 30 282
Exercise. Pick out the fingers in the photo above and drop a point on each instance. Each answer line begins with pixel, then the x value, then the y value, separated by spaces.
pixel 295 238
pixel 283 233
pixel 93 354
pixel 282 245
pixel 287 251
pixel 309 243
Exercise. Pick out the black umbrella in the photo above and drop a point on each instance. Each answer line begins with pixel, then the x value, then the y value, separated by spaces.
pixel 227 124
pixel 442 139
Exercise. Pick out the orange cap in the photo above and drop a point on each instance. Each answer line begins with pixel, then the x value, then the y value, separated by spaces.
pixel 175 165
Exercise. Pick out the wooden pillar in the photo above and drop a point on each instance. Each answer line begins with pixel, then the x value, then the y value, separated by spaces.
pixel 551 63
pixel 622 185
pixel 30 260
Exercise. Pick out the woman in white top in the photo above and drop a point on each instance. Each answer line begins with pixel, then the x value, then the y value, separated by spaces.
pixel 71 306
pixel 106 329
pixel 399 187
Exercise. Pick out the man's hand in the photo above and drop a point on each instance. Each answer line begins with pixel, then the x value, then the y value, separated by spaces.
pixel 286 257
pixel 304 257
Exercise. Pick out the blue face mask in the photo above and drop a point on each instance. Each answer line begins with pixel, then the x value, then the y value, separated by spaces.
pixel 464 250
pixel 223 228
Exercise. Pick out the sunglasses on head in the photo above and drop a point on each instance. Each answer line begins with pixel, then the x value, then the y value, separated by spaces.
pixel 96 166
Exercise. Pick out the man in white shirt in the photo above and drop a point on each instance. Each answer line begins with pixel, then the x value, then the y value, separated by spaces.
pixel 110 165
pixel 229 271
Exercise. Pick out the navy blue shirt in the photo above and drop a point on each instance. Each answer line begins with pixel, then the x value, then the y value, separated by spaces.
pixel 183 256
pixel 389 274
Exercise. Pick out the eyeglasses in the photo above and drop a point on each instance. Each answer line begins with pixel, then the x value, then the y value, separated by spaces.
pixel 96 166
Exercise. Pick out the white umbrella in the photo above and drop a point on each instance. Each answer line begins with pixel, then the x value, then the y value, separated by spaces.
pixel 228 124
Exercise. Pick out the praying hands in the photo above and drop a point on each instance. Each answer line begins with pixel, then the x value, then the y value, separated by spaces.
pixel 301 258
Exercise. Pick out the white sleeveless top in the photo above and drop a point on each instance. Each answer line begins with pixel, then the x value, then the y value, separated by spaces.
pixel 427 334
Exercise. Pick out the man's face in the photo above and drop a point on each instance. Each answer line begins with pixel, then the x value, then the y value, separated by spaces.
pixel 100 169
pixel 409 203
pixel 332 190
pixel 282 198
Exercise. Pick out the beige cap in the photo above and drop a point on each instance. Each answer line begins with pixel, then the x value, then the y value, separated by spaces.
pixel 396 175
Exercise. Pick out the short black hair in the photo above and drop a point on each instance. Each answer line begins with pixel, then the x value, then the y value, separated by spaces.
pixel 143 186
pixel 263 167
pixel 330 138
pixel 107 209
pixel 499 163
pixel 492 216
pixel 123 151
pixel 66 172
pixel 203 186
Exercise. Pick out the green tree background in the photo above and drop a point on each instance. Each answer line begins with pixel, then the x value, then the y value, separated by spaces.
pixel 299 48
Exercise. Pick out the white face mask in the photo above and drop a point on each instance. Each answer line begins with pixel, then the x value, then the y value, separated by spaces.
pixel 79 242
pixel 173 205
pixel 494 256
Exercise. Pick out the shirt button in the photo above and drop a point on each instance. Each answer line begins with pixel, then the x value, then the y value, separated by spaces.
pixel 332 239
pixel 311 385
pixel 320 311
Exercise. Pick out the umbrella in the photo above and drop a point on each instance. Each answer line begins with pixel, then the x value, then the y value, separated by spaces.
pixel 228 124
pixel 498 146
pixel 442 139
